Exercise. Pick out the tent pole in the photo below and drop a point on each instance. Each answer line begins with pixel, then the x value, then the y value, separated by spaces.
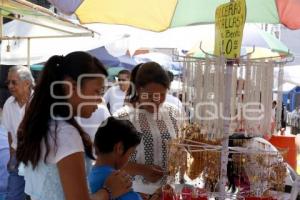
pixel 1 33
pixel 1 26
pixel 47 12
pixel 28 53
pixel 1 21
pixel 46 37
pixel 39 24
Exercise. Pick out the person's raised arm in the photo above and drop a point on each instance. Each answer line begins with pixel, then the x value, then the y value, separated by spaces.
pixel 118 183
pixel 151 173
pixel 73 177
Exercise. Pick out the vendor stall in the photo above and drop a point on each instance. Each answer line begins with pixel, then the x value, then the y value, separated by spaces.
pixel 229 94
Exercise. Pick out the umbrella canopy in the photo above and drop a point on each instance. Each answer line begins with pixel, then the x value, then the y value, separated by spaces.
pixel 266 45
pixel 127 62
pixel 107 59
pixel 291 74
pixel 188 37
pixel 164 60
pixel 286 87
pixel 157 15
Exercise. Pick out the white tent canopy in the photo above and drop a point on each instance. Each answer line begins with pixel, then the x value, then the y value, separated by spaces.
pixel 291 75
pixel 185 38
pixel 181 38
pixel 286 87
pixel 36 33
pixel 42 49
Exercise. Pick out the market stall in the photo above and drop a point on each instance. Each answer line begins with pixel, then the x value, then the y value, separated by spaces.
pixel 228 95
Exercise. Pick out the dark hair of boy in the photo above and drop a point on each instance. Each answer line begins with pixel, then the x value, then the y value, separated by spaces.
pixel 124 71
pixel 113 131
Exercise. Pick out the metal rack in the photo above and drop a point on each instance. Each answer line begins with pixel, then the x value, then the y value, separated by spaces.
pixel 224 148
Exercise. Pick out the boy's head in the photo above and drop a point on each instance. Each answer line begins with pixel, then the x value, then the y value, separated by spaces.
pixel 118 138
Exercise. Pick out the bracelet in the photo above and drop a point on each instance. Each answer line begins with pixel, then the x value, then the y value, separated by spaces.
pixel 108 190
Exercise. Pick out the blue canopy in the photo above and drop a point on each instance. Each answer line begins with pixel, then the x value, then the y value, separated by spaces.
pixel 105 57
pixel 110 61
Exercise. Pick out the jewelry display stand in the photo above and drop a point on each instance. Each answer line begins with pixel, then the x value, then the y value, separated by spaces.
pixel 223 97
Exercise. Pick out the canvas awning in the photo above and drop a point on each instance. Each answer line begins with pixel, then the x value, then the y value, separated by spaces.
pixel 36 33
pixel 41 49
pixel 33 14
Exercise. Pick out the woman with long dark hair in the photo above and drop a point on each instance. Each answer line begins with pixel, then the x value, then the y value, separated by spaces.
pixel 51 144
pixel 157 123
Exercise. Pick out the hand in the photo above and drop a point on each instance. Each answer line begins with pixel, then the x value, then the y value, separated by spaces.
pixel 156 195
pixel 152 173
pixel 119 182
pixel 8 166
pixel 144 196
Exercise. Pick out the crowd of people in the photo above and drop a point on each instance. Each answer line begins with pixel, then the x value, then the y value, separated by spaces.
pixel 67 142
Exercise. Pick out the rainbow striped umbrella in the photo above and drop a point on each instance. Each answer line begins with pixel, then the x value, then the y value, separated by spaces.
pixel 159 15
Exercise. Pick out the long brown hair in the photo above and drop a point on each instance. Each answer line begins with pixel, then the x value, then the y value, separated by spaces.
pixel 35 125
pixel 143 74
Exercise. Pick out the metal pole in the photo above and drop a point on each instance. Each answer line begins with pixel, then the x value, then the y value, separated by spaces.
pixel 45 37
pixel 47 12
pixel 28 53
pixel 1 33
pixel 39 24
pixel 226 124
pixel 1 25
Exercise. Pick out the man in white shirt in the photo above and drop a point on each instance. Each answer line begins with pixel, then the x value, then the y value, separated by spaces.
pixel 20 83
pixel 273 117
pixel 115 95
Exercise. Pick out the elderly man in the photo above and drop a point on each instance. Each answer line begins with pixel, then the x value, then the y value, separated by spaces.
pixel 20 83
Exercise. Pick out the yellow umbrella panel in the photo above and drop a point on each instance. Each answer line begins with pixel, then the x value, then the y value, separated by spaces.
pixel 151 15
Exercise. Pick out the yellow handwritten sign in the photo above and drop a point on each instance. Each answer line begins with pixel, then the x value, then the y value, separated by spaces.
pixel 230 21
